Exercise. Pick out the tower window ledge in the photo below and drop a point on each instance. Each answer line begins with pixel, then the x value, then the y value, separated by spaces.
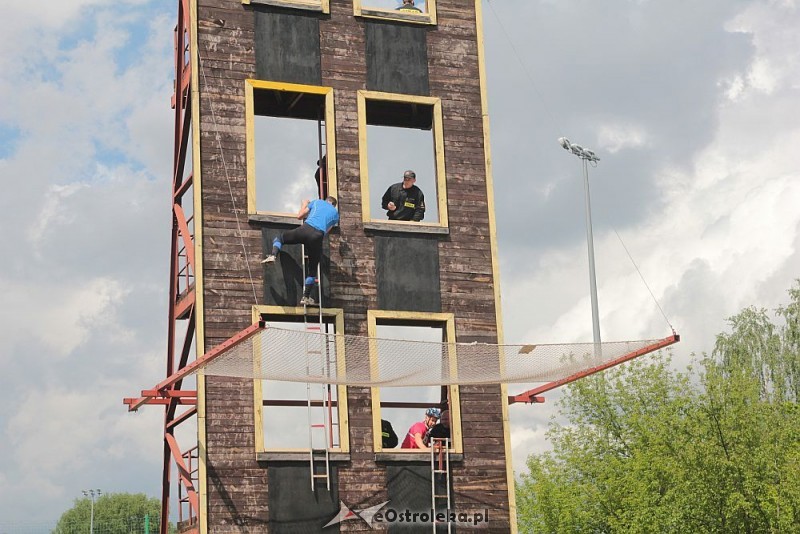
pixel 282 457
pixel 405 228
pixel 412 457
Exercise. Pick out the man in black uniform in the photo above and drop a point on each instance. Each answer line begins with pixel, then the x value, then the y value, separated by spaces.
pixel 404 201
pixel 408 5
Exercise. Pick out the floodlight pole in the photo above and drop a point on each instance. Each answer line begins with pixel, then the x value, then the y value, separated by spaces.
pixel 91 493
pixel 587 156
pixel 590 242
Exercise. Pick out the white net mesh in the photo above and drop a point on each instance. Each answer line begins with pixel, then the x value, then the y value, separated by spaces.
pixel 298 356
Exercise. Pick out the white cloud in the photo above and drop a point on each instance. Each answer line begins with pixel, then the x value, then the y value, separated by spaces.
pixel 85 211
pixel 614 137
pixel 52 211
pixel 61 319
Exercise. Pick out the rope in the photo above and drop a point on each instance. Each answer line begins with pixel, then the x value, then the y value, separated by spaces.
pixel 525 70
pixel 641 276
pixel 218 138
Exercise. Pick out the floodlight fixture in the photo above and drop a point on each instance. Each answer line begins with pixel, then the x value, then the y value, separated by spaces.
pixel 92 493
pixel 578 150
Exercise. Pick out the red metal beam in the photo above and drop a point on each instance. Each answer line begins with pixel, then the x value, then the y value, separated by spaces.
pixel 184 187
pixel 169 394
pixel 210 356
pixel 532 395
pixel 186 235
pixel 183 472
pixel 159 401
pixel 184 305
pixel 183 417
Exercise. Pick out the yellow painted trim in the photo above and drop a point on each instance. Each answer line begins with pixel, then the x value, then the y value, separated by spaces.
pixel 441 174
pixel 199 303
pixel 398 97
pixel 438 149
pixel 428 17
pixel 455 397
pixel 258 391
pixel 330 135
pixel 250 147
pixel 330 139
pixel 363 162
pixel 341 391
pixel 512 503
pixel 448 320
pixel 289 87
pixel 375 393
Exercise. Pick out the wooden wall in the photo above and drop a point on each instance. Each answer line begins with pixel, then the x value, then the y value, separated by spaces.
pixel 237 484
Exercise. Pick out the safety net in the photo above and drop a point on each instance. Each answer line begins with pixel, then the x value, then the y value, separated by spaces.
pixel 271 353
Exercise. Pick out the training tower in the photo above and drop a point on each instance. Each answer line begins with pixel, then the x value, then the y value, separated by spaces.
pixel 247 74
pixel 345 65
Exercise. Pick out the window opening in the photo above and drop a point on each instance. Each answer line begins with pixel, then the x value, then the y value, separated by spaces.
pixel 286 421
pixel 290 135
pixel 392 151
pixel 407 10
pixel 401 133
pixel 403 407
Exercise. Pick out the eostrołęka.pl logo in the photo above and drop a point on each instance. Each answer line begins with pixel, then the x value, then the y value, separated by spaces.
pixel 375 514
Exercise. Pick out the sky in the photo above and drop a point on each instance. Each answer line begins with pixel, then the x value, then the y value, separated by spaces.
pixel 692 107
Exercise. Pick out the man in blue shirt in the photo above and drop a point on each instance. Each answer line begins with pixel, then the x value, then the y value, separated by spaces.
pixel 320 216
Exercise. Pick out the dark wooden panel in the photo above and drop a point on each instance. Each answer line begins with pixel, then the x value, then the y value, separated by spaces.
pixel 287 46
pixel 294 508
pixel 397 58
pixel 408 273
pixel 283 280
pixel 409 488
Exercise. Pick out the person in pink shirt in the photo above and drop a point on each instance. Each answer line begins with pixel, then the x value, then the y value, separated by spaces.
pixel 416 434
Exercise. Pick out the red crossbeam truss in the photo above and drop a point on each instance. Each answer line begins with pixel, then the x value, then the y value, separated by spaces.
pixel 534 395
pixel 181 299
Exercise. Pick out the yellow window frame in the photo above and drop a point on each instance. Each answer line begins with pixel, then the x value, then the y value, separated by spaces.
pixel 341 391
pixel 447 320
pixel 428 17
pixel 438 146
pixel 250 87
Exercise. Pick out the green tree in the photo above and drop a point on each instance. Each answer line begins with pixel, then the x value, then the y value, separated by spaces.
pixel 114 513
pixel 651 449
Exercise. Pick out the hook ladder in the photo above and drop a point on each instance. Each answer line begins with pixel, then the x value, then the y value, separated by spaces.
pixel 319 396
pixel 440 478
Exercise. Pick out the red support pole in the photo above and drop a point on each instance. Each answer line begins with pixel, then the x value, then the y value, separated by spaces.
pixel 532 395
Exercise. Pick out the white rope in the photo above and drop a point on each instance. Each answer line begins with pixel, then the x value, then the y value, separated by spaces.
pixel 217 137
